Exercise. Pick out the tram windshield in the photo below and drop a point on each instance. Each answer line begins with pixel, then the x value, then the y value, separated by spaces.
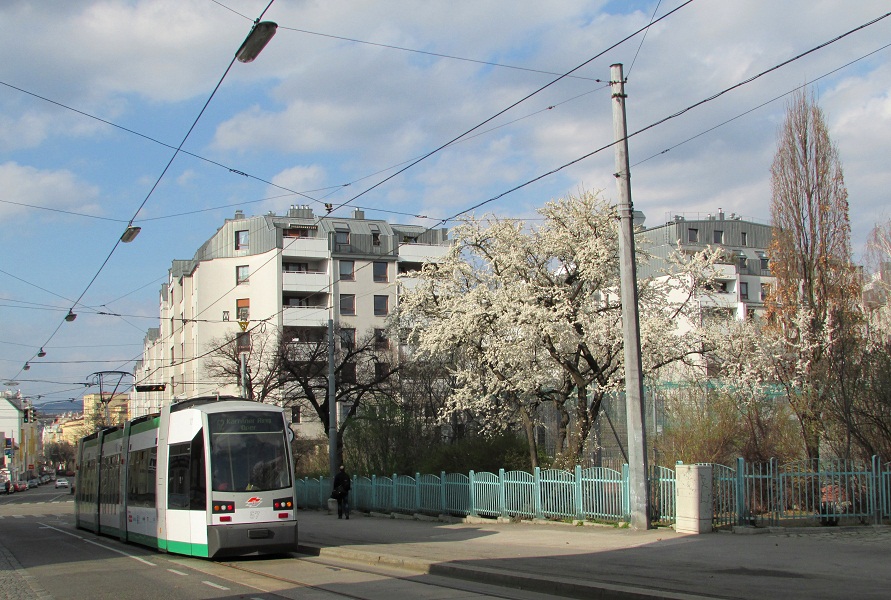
pixel 248 452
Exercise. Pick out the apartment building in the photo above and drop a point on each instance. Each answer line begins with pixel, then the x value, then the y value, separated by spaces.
pixel 743 275
pixel 291 272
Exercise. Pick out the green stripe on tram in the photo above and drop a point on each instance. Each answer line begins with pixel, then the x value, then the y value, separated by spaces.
pixel 141 538
pixel 185 548
pixel 145 426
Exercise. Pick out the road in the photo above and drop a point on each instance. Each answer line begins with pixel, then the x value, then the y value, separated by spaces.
pixel 46 557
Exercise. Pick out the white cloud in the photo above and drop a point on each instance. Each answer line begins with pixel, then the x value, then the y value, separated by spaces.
pixel 48 189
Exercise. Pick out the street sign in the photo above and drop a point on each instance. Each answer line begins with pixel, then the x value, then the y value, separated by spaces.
pixel 243 325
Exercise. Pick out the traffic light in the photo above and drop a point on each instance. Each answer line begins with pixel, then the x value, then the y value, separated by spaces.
pixel 151 387
pixel 27 415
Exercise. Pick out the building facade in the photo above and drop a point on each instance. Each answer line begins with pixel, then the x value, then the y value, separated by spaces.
pixel 285 273
pixel 743 277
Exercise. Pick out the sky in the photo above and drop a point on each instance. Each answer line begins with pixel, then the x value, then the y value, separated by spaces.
pixel 95 97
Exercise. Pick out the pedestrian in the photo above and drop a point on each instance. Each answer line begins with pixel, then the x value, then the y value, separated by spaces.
pixel 7 485
pixel 341 493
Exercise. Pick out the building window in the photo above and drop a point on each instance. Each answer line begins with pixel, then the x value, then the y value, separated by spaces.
pixel 295 414
pixel 765 291
pixel 375 238
pixel 296 233
pixel 347 270
pixel 743 290
pixel 348 337
pixel 243 309
pixel 381 306
pixel 380 272
pixel 295 267
pixel 380 339
pixel 341 234
pixel 718 237
pixel 348 304
pixel 692 235
pixel 744 238
pixel 242 274
pixel 743 264
pixel 381 370
pixel 765 263
pixel 225 315
pixel 242 238
pixel 348 372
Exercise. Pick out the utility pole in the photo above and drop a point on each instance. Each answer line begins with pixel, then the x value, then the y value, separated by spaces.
pixel 332 404
pixel 243 371
pixel 634 405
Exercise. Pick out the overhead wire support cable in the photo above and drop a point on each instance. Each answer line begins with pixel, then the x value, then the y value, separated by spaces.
pixel 671 116
pixel 513 105
pixel 154 186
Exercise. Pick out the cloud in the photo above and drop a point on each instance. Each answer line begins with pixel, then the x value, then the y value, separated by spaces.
pixel 45 188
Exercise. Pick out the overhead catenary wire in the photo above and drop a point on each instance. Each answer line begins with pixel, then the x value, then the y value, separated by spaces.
pixel 604 147
pixel 152 189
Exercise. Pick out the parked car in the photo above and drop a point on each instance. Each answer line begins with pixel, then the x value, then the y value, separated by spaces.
pixel 61 482
pixel 33 483
pixel 21 486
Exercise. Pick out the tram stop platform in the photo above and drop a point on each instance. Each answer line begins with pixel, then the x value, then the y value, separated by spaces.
pixel 597 561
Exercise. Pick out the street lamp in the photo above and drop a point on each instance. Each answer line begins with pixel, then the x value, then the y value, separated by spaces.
pixel 130 234
pixel 41 353
pixel 256 40
pixel 70 316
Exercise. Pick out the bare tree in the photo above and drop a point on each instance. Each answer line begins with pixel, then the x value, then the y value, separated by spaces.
pixel 814 301
pixel 364 368
pixel 263 357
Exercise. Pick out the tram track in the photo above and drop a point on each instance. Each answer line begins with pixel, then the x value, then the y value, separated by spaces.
pixel 395 576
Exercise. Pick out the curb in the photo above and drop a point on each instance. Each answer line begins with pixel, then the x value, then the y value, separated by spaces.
pixel 595 590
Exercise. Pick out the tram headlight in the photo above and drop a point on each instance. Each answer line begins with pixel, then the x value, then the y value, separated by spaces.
pixel 283 504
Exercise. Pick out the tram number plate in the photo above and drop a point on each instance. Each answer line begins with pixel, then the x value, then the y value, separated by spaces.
pixel 254 515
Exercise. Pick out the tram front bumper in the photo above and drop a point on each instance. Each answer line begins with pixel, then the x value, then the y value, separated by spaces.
pixel 251 538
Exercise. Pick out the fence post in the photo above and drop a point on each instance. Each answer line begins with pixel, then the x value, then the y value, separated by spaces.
pixel 536 489
pixel 579 508
pixel 626 492
pixel 775 492
pixel 394 497
pixel 442 492
pixel 502 505
pixel 472 493
pixel 417 492
pixel 874 495
pixel 374 492
pixel 741 516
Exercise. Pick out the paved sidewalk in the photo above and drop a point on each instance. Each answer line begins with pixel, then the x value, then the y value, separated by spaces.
pixel 605 562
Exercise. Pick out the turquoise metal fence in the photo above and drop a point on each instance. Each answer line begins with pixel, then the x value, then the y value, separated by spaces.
pixel 596 494
pixel 768 493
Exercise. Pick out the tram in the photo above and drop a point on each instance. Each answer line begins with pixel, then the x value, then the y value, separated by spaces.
pixel 206 477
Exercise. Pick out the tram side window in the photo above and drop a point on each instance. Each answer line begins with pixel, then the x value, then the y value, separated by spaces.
pixel 141 478
pixel 109 480
pixel 186 475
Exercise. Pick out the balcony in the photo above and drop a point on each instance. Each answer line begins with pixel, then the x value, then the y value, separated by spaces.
pixel 304 281
pixel 422 252
pixel 305 316
pixel 304 247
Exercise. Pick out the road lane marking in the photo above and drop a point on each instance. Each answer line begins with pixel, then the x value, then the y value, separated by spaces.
pixel 178 572
pixel 214 585
pixel 121 552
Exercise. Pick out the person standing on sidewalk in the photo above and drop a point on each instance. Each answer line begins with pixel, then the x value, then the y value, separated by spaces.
pixel 341 493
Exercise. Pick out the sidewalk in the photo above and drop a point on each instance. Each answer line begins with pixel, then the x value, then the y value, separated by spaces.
pixel 605 562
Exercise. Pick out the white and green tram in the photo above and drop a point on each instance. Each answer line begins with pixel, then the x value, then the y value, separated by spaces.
pixel 206 477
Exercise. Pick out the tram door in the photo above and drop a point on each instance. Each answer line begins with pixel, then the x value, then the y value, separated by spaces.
pixel 186 514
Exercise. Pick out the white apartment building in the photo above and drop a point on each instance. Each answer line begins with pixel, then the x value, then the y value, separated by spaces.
pixel 294 272
pixel 743 277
